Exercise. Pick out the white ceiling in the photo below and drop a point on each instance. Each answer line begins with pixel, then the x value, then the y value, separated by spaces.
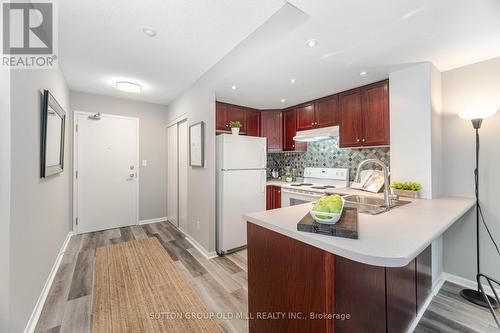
pixel 362 35
pixel 102 41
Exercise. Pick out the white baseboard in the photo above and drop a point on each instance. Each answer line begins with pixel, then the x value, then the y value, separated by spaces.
pixel 196 245
pixel 156 220
pixel 35 315
pixel 435 289
pixel 469 283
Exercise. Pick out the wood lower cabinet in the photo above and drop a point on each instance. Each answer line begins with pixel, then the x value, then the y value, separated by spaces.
pixel 287 279
pixel 273 197
pixel 290 130
pixel 272 128
pixel 291 277
pixel 424 276
pixel 364 116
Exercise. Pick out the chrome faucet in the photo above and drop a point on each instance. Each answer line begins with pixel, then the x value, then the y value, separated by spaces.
pixel 388 198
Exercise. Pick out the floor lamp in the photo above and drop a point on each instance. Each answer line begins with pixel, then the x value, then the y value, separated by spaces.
pixel 472 295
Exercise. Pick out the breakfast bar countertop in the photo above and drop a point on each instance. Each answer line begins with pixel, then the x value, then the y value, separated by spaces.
pixel 390 239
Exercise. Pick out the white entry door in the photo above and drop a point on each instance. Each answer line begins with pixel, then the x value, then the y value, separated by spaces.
pixel 106 171
pixel 172 174
pixel 183 148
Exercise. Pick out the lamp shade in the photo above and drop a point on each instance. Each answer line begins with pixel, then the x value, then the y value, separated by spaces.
pixel 477 113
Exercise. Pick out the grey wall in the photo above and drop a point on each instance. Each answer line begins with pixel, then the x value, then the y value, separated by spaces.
pixel 471 87
pixel 40 208
pixel 152 145
pixel 4 197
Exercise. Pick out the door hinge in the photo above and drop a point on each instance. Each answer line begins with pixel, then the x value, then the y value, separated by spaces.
pixel 76 221
pixel 76 174
pixel 76 127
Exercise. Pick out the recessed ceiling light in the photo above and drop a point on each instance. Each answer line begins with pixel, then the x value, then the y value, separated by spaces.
pixel 283 100
pixel 233 87
pixel 128 86
pixel 312 42
pixel 292 81
pixel 363 73
pixel 149 31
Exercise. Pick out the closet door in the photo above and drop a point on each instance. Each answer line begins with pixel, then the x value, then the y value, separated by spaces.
pixel 172 174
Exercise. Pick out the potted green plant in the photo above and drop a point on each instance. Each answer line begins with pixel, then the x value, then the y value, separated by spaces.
pixel 406 189
pixel 235 127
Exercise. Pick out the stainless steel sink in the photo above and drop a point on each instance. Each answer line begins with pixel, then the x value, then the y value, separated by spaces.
pixel 371 205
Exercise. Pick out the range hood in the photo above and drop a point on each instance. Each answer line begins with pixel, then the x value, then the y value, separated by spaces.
pixel 317 134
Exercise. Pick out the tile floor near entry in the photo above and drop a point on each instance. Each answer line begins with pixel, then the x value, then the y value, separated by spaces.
pixel 221 283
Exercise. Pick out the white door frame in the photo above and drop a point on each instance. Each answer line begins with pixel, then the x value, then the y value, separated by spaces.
pixel 75 163
pixel 176 121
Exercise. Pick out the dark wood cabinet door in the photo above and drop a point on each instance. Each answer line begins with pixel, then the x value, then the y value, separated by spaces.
pixel 271 127
pixel 375 106
pixel 269 197
pixel 327 111
pixel 221 116
pixel 289 131
pixel 276 197
pixel 285 275
pixel 424 276
pixel 350 119
pixel 359 291
pixel 252 122
pixel 305 117
pixel 236 113
pixel 401 297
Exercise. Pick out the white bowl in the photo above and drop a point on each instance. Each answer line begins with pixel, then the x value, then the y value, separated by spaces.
pixel 333 218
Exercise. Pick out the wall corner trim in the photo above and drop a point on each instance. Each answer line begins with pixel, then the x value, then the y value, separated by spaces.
pixel 35 315
pixel 155 220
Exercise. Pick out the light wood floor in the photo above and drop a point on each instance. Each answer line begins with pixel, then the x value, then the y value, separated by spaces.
pixel 220 282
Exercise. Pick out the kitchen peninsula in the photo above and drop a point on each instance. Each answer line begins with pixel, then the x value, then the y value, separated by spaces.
pixel 379 281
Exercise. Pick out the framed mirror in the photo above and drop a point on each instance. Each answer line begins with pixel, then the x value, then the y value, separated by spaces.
pixel 52 136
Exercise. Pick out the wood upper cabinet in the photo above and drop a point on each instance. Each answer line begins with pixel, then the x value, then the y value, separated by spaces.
pixel 272 129
pixel 252 122
pixel 236 113
pixel 305 117
pixel 327 111
pixel 375 105
pixel 350 118
pixel 364 116
pixel 221 123
pixel 289 131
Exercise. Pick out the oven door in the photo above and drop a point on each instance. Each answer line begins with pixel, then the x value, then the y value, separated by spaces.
pixel 294 197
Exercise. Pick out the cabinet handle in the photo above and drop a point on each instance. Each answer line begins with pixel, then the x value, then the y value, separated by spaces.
pixel 293 146
pixel 357 140
pixel 312 124
pixel 363 140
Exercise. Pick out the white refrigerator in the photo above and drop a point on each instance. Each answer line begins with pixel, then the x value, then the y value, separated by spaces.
pixel 241 187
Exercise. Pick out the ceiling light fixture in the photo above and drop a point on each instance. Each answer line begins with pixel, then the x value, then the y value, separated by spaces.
pixel 283 100
pixel 292 81
pixel 150 32
pixel 233 87
pixel 312 42
pixel 363 73
pixel 128 86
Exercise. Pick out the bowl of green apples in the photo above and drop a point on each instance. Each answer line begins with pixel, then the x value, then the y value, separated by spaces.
pixel 328 209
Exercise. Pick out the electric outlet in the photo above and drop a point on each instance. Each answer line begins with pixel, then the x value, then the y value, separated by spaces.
pixel 198 225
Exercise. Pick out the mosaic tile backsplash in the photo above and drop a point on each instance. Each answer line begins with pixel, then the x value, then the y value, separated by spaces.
pixel 326 154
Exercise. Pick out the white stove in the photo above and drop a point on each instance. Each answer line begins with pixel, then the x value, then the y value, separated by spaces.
pixel 316 182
